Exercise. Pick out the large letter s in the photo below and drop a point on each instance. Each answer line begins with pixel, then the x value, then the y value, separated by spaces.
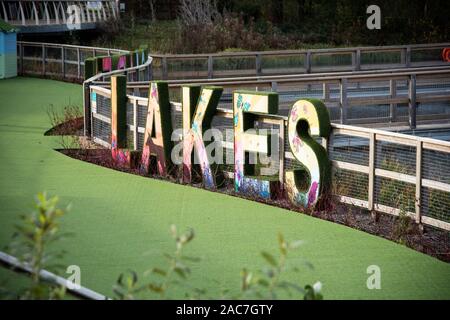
pixel 307 118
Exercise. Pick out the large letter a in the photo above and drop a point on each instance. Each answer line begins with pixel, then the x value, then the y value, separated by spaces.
pixel 158 129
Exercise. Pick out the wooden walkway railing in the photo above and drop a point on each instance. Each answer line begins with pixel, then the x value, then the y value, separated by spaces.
pixel 240 64
pixel 52 59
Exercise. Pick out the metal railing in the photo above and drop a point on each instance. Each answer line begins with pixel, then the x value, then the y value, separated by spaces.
pixel 240 64
pixel 165 66
pixel 398 97
pixel 57 60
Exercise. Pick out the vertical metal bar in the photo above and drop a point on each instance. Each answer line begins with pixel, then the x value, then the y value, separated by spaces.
pixel 138 75
pixel 164 68
pixel 63 64
pixel 353 60
pixel 412 107
pixel 403 56
pixel 87 110
pixel 372 150
pixel 149 72
pixel 43 60
pixel 326 91
pixel 343 100
pixel 210 67
pixel 308 62
pixel 274 86
pixel 281 155
pixel 357 66
pixel 258 64
pixel 393 106
pixel 408 57
pixel 78 63
pixel 135 123
pixel 21 47
pixel 418 201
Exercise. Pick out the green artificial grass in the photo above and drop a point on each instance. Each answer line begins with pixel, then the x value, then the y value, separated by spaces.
pixel 121 221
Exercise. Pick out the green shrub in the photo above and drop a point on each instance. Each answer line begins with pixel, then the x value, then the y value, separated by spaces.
pixel 31 245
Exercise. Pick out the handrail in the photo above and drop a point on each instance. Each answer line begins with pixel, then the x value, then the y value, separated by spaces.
pixel 119 71
pixel 228 111
pixel 50 44
pixel 255 63
pixel 376 74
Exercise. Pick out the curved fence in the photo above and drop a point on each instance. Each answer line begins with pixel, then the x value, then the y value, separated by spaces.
pixel 266 63
pixel 57 60
pixel 374 169
pixel 237 64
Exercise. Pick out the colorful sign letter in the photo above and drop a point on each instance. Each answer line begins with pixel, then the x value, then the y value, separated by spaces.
pixel 106 64
pixel 158 129
pixel 195 122
pixel 246 105
pixel 122 62
pixel 308 118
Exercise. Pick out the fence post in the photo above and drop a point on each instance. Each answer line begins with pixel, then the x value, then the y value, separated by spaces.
pixel 135 123
pixel 418 199
pixel 358 60
pixel 371 188
pixel 138 75
pixel 274 86
pixel 43 60
pixel 63 65
pixel 87 110
pixel 150 71
pixel 78 62
pixel 308 62
pixel 281 153
pixel 258 64
pixel 343 100
pixel 164 68
pixel 21 48
pixel 326 91
pixel 210 67
pixel 412 107
pixel 392 106
pixel 408 57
